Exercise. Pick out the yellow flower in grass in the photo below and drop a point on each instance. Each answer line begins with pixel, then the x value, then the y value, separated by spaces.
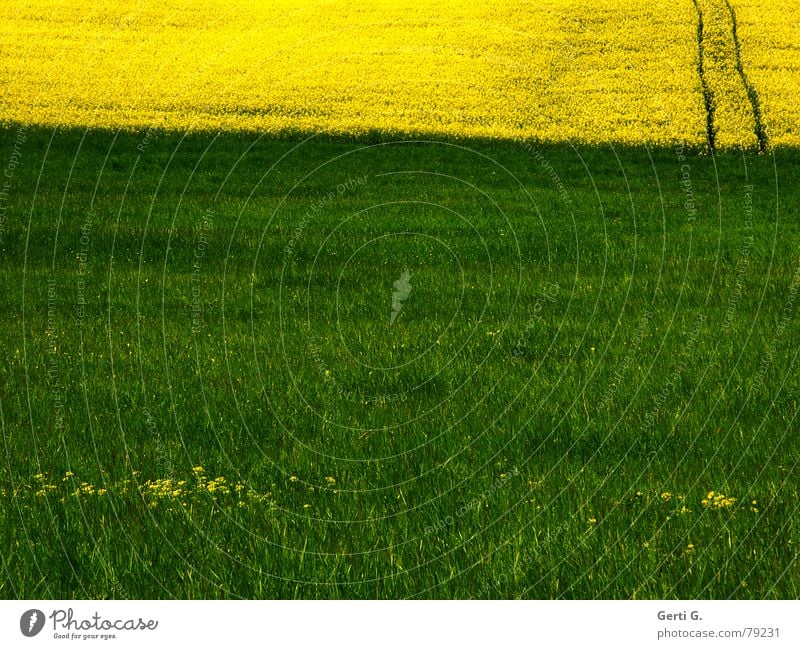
pixel 45 489
pixel 254 495
pixel 218 485
pixel 716 500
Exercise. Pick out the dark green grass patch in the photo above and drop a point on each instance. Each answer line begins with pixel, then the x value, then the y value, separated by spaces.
pixel 240 367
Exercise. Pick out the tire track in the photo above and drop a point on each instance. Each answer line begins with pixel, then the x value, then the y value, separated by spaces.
pixel 708 99
pixel 752 93
pixel 733 114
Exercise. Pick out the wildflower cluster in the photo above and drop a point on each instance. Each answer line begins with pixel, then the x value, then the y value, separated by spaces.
pixel 164 488
pixel 43 487
pixel 86 489
pixel 154 491
pixel 716 500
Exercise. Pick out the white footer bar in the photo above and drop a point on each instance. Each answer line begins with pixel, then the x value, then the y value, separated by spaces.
pixel 401 625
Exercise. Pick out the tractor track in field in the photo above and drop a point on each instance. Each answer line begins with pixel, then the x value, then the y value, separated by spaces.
pixel 719 58
pixel 752 93
pixel 708 98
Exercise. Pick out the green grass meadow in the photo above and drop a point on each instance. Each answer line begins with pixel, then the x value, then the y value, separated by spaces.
pixel 208 389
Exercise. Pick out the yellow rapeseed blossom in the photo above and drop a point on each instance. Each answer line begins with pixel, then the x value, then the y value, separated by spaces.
pixel 734 120
pixel 554 70
pixel 715 500
pixel 769 33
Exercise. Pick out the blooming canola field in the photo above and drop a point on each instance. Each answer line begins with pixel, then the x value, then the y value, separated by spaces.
pixel 557 70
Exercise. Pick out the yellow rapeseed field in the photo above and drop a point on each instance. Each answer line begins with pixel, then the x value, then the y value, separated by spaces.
pixel 770 37
pixel 734 119
pixel 555 70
